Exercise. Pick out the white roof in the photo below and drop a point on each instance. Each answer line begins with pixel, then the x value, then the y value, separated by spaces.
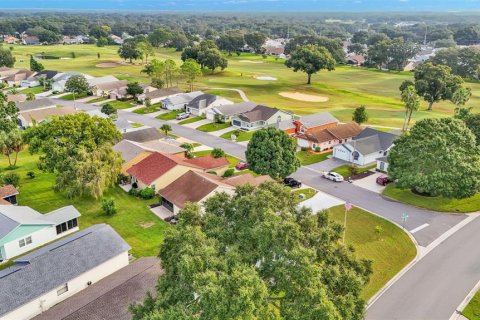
pixel 99 80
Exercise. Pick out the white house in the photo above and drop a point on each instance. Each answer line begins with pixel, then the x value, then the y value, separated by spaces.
pixel 201 104
pixel 382 164
pixel 60 79
pixel 23 229
pixel 366 147
pixel 43 278
pixel 159 94
pixel 228 111
pixel 260 117
pixel 179 101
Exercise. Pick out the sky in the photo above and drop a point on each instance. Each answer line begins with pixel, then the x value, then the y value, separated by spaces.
pixel 248 5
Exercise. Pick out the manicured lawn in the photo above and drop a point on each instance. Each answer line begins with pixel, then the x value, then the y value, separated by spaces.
pixel 307 192
pixel 191 120
pixel 390 251
pixel 33 90
pixel 343 170
pixel 117 104
pixel 69 97
pixel 98 99
pixel 433 203
pixel 153 108
pixel 136 125
pixel 241 135
pixel 233 161
pixel 311 157
pixel 346 87
pixel 210 127
pixel 133 221
pixel 227 94
pixel 169 115
pixel 472 310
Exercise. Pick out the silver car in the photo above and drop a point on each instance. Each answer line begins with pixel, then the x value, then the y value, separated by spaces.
pixel 333 176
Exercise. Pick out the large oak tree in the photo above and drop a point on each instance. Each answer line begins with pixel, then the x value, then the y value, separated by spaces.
pixel 310 59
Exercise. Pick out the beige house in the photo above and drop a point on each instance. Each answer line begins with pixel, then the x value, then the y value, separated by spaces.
pixel 30 117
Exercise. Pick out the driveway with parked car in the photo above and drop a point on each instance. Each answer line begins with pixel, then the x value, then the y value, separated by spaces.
pixel 370 183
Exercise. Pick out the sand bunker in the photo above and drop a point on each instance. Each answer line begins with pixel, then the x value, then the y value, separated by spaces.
pixel 250 61
pixel 266 78
pixel 304 97
pixel 109 65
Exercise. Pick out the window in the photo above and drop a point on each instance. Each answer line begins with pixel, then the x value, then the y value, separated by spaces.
pixel 62 289
pixel 28 240
pixel 61 228
pixel 21 243
pixel 356 155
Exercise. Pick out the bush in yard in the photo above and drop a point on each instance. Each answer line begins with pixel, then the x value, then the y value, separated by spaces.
pixel 317 149
pixel 147 193
pixel 31 174
pixel 11 178
pixel 133 192
pixel 218 153
pixel 108 207
pixel 353 170
pixel 108 109
pixel 229 172
pixel 122 179
pixel 148 102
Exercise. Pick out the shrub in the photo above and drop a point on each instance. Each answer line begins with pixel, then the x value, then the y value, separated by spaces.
pixel 31 174
pixel 353 170
pixel 147 193
pixel 317 149
pixel 133 192
pixel 108 207
pixel 304 148
pixel 11 178
pixel 218 153
pixel 264 56
pixel 148 102
pixel 229 172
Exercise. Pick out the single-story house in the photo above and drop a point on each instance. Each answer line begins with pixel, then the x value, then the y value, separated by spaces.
pixel 382 164
pixel 31 40
pixel 315 122
pixel 14 77
pixel 247 178
pixel 114 89
pixel 133 152
pixel 228 111
pixel 8 195
pixel 34 81
pixel 159 169
pixel 23 229
pixel 260 117
pixel 37 104
pixel 158 94
pixel 179 101
pixel 355 59
pixel 60 80
pixel 10 40
pixel 30 117
pixel 192 187
pixel 20 97
pixel 202 103
pixel 327 138
pixel 366 147
pixel 275 47
pixel 143 135
pixel 49 275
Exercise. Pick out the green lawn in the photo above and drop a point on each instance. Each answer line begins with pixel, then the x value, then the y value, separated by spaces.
pixel 153 108
pixel 390 251
pixel 136 125
pixel 311 157
pixel 117 104
pixel 343 170
pixel 70 96
pixel 228 94
pixel 346 87
pixel 191 120
pixel 233 161
pixel 169 115
pixel 241 135
pixel 34 90
pixel 433 203
pixel 308 192
pixel 134 221
pixel 210 127
pixel 98 99
pixel 472 310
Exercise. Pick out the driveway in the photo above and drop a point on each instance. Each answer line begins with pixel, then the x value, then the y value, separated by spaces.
pixel 370 183
pixel 218 133
pixel 197 124
pixel 326 165
pixel 321 201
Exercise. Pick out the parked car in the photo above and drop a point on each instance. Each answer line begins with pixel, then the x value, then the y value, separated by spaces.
pixel 242 165
pixel 333 176
pixel 383 180
pixel 182 116
pixel 292 183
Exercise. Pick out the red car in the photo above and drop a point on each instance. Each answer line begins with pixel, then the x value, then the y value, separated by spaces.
pixel 241 165
pixel 383 180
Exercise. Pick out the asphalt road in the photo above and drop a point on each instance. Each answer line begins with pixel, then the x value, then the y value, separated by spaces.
pixel 435 286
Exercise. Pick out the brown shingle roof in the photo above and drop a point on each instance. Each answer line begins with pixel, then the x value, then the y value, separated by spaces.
pixel 208 162
pixel 7 191
pixel 190 187
pixel 247 178
pixel 42 114
pixel 152 167
pixel 160 93
pixel 259 113
pixel 340 132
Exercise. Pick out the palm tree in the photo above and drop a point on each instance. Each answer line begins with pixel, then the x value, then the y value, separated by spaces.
pixel 188 149
pixel 412 102
pixel 166 128
pixel 30 96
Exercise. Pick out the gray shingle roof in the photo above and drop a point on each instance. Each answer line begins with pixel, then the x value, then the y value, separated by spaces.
pixel 202 101
pixel 372 140
pixel 62 215
pixel 259 113
pixel 317 119
pixel 143 135
pixel 36 104
pixel 58 263
pixel 229 110
pixel 160 93
pixel 6 225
